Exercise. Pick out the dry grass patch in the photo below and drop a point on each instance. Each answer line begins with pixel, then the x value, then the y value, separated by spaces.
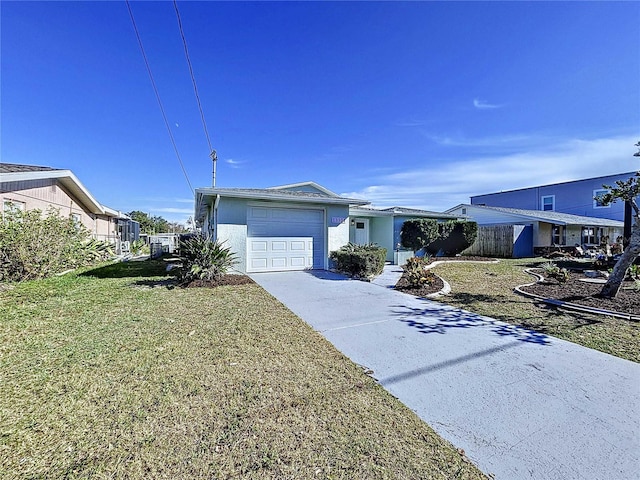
pixel 487 289
pixel 111 378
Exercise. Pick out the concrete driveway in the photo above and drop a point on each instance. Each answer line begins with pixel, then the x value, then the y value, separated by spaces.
pixel 521 404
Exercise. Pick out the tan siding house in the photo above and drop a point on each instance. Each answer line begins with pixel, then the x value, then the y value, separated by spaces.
pixel 29 187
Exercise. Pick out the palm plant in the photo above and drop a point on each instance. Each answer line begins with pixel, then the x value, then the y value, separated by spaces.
pixel 205 259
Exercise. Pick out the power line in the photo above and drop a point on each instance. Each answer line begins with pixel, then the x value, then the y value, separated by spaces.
pixel 155 89
pixel 193 78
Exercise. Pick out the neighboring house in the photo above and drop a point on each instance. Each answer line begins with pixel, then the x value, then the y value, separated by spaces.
pixel 28 187
pixel 575 198
pixel 382 226
pixel 545 228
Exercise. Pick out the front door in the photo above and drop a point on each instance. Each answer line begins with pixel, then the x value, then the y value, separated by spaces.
pixel 362 231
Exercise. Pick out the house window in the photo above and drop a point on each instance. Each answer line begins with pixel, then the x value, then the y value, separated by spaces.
pixel 558 235
pixel 10 207
pixel 548 203
pixel 597 203
pixel 589 235
pixel 77 219
pixel 464 211
pixel 360 225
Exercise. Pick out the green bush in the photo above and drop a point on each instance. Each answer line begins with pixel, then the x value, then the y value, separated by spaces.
pixel 204 259
pixel 418 233
pixel 450 237
pixel 415 272
pixel 551 270
pixel 33 245
pixel 455 236
pixel 362 261
pixel 139 247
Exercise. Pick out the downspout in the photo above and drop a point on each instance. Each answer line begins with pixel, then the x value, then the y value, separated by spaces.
pixel 215 217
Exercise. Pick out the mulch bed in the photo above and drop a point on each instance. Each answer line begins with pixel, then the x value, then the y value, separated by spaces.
pixel 229 279
pixel 422 291
pixel 573 291
pixel 582 293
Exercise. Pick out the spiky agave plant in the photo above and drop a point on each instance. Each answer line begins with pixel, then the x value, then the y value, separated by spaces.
pixel 205 259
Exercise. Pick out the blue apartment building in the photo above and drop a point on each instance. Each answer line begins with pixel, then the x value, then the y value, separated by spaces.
pixel 575 198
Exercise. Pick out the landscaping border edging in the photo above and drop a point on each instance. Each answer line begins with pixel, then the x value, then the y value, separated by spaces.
pixel 568 305
pixel 446 289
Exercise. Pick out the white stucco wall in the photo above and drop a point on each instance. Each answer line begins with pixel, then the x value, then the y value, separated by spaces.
pixel 337 218
pixel 337 235
pixel 235 237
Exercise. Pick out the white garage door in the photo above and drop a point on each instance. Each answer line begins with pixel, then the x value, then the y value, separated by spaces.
pixel 280 239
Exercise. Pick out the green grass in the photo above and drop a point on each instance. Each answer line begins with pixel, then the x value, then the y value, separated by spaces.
pixel 487 289
pixel 111 374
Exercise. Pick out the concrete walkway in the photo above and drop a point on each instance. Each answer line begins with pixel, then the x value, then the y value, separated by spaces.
pixel 521 404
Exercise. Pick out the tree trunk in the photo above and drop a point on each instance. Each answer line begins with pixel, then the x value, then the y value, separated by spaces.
pixel 630 253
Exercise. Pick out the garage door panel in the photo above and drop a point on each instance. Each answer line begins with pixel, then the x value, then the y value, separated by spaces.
pixel 279 254
pixel 257 264
pixel 258 246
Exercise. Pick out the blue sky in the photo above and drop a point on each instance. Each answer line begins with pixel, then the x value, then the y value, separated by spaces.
pixel 417 104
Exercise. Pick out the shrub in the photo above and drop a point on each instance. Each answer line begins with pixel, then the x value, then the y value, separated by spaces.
pixel 634 272
pixel 415 272
pixel 450 237
pixel 139 247
pixel 416 234
pixel 204 259
pixel 35 246
pixel 551 270
pixel 362 261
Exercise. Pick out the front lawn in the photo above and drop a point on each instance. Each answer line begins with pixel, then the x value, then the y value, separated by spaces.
pixel 487 289
pixel 114 374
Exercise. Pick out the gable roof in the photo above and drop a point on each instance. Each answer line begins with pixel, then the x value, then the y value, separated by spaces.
pixel 12 172
pixel 401 211
pixel 15 167
pixel 299 186
pixel 207 196
pixel 545 216
pixel 275 194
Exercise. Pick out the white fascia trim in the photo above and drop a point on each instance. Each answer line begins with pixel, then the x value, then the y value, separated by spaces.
pixel 62 175
pixel 365 212
pixel 283 198
pixel 115 213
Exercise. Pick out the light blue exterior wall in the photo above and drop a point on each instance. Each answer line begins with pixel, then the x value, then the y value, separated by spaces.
pixel 570 197
pixel 381 233
pixel 232 211
pixel 232 224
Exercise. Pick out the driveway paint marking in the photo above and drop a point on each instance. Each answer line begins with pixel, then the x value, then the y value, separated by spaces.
pixel 354 325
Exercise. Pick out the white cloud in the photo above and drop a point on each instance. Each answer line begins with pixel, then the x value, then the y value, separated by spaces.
pixel 234 163
pixel 409 123
pixel 173 210
pixel 482 105
pixel 453 182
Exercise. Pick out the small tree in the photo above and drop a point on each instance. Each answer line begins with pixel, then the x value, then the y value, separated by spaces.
pixel 451 237
pixel 416 234
pixel 626 191
pixel 461 237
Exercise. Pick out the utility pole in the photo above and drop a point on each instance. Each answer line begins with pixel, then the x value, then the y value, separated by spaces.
pixel 214 159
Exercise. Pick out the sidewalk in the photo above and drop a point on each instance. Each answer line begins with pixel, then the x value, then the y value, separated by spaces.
pixel 521 404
